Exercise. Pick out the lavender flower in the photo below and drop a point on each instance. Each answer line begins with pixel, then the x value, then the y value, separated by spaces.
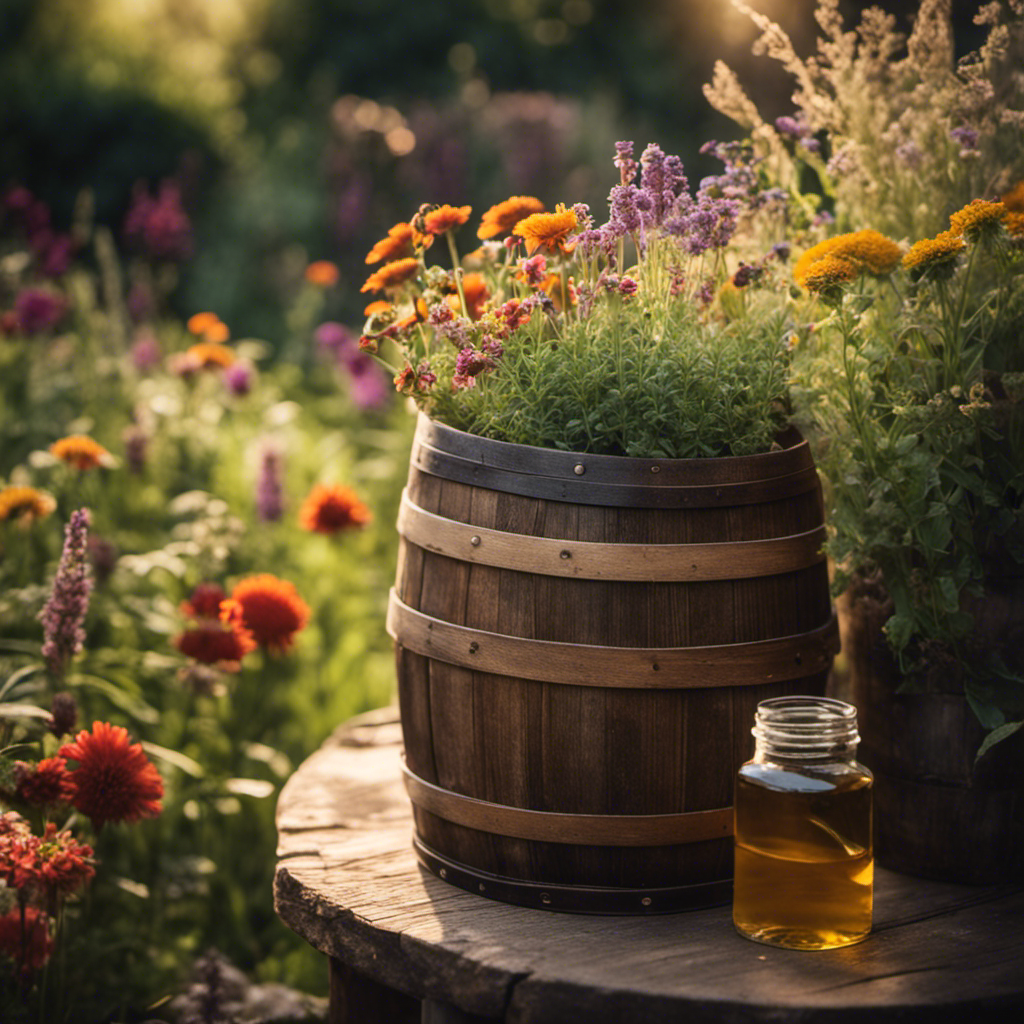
pixel 624 161
pixel 64 613
pixel 710 225
pixel 629 209
pixel 269 495
pixel 910 153
pixel 663 180
pixel 967 138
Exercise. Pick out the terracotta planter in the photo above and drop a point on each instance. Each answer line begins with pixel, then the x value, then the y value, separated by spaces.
pixel 938 814
pixel 581 644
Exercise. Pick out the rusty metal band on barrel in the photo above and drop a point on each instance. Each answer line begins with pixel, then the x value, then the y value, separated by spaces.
pixel 673 563
pixel 670 668
pixel 553 827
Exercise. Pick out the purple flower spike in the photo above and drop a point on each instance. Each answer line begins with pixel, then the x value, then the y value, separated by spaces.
pixel 37 310
pixel 64 613
pixel 269 494
pixel 624 161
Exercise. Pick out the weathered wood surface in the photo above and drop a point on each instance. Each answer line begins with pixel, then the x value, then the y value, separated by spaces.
pixel 349 883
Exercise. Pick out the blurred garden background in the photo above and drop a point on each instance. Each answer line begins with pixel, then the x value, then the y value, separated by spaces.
pixel 238 158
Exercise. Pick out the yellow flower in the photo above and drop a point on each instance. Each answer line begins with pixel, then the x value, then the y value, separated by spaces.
pixel 977 218
pixel 25 504
pixel 929 253
pixel 829 273
pixel 547 230
pixel 501 218
pixel 81 452
pixel 869 251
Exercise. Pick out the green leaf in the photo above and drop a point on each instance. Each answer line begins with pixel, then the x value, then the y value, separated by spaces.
pixel 258 788
pixel 997 736
pixel 33 647
pixel 175 757
pixel 23 711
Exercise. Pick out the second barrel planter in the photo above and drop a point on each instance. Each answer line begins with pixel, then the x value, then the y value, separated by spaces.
pixel 581 644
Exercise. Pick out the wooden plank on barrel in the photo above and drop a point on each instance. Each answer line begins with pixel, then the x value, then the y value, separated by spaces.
pixel 349 884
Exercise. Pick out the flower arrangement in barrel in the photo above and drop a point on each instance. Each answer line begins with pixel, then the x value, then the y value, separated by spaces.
pixel 909 359
pixel 633 337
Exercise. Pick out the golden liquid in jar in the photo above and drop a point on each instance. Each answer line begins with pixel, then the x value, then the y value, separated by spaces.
pixel 804 868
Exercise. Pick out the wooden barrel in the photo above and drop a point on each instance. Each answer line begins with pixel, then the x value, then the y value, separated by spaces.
pixel 581 643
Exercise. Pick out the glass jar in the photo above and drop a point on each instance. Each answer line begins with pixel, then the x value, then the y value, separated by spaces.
pixel 804 863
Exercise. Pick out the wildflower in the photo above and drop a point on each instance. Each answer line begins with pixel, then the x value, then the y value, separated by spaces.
pixel 269 498
pixel 209 355
pixel 48 867
pixel 1015 224
pixel 501 218
pixel 64 612
pixel 38 311
pixel 214 643
pixel 409 380
pixel 113 779
pixel 966 138
pixel 329 508
pixel 322 273
pixel 43 784
pixel 334 337
pixel 366 384
pixel 81 452
pixel 1014 199
pixel 978 219
pixel 25 505
pixel 445 218
pixel 27 943
pixel 628 213
pixel 627 287
pixel 159 226
pixel 709 225
pixel 209 327
pixel 63 714
pixel 204 601
pixel 378 307
pixel 936 256
pixel 145 351
pixel 825 277
pixel 869 251
pixel 663 180
pixel 547 230
pixel 392 275
pixel 239 377
pixel 625 163
pixel 269 608
pixel 396 245
pixel 474 287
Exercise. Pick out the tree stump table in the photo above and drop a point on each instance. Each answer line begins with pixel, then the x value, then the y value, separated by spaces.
pixel 405 946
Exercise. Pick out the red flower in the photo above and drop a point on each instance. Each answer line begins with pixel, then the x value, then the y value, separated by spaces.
pixel 332 507
pixel 29 947
pixel 47 867
pixel 114 780
pixel 204 602
pixel 268 608
pixel 43 784
pixel 213 643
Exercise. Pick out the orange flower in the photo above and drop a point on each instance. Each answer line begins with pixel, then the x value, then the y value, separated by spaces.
pixel 1015 224
pixel 1014 199
pixel 869 251
pixel 979 217
pixel 332 507
pixel 25 504
pixel 322 273
pixel 207 354
pixel 268 608
pixel 397 244
pixel 445 218
pixel 378 306
pixel 501 218
pixel 547 230
pixel 209 327
pixel 474 287
pixel 391 275
pixel 113 780
pixel 81 452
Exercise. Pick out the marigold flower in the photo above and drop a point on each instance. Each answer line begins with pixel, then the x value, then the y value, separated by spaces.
pixel 81 452
pixel 392 275
pixel 43 784
pixel 269 608
pixel 330 508
pixel 445 218
pixel 474 287
pixel 33 953
pixel 547 230
pixel 113 779
pixel 322 273
pixel 377 307
pixel 210 355
pixel 25 504
pixel 933 253
pixel 977 218
pixel 868 250
pixel 209 327
pixel 1014 199
pixel 397 244
pixel 824 276
pixel 501 218
pixel 1015 224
